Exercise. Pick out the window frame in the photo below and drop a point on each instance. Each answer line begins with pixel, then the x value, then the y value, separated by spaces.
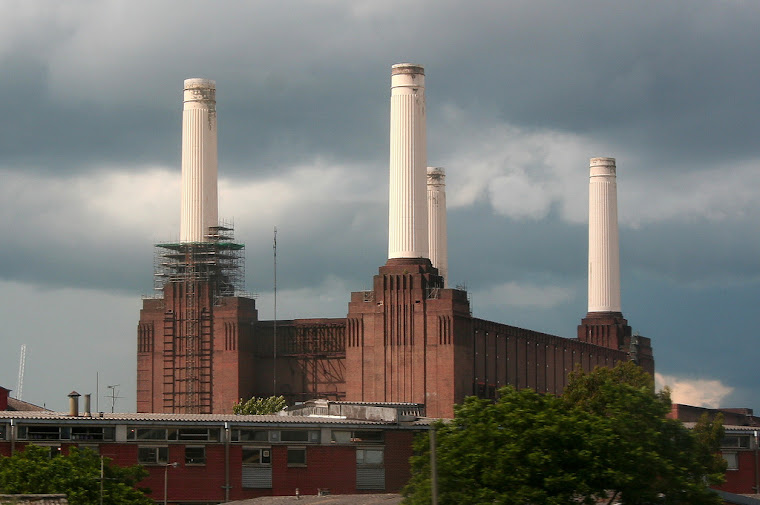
pixel 358 437
pixel 294 450
pixel 156 461
pixel 363 463
pixel 737 441
pixel 733 455
pixel 195 461
pixel 264 453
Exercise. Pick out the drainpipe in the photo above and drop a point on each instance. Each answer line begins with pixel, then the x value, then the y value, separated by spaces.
pixel 757 471
pixel 433 468
pixel 227 461
pixel 13 437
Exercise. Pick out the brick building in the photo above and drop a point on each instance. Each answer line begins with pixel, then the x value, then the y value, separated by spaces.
pixel 201 346
pixel 227 457
pixel 740 446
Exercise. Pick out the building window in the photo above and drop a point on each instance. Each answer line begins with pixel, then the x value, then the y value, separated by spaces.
pixel 299 436
pixel 257 456
pixel 296 456
pixel 90 447
pixel 183 434
pixel 245 435
pixel 732 460
pixel 369 456
pixel 153 455
pixel 257 467
pixel 44 432
pixel 146 434
pixel 294 436
pixel 345 437
pixel 735 442
pixel 370 471
pixel 195 455
pixel 2 431
pixel 53 450
pixel 92 433
pixel 174 434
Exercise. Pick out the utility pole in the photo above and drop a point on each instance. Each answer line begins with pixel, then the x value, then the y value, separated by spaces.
pixel 433 468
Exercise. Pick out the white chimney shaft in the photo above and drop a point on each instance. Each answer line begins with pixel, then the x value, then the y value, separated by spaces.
pixel 199 163
pixel 436 200
pixel 603 246
pixel 407 216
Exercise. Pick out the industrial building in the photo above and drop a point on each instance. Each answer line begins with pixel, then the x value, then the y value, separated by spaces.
pixel 320 446
pixel 410 339
pixel 327 447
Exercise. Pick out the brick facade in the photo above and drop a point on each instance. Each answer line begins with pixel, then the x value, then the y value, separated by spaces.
pixel 406 340
pixel 330 462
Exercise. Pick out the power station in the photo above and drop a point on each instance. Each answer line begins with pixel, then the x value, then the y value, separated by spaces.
pixel 411 339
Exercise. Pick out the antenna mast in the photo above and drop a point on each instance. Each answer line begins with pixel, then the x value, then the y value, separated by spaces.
pixel 21 363
pixel 114 395
pixel 274 326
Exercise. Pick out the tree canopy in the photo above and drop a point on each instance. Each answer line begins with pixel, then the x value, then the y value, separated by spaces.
pixel 605 440
pixel 260 406
pixel 34 471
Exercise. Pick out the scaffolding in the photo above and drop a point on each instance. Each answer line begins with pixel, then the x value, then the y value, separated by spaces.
pixel 200 275
pixel 218 260
pixel 319 351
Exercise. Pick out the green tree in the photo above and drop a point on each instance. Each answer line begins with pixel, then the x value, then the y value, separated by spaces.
pixel 77 475
pixel 606 439
pixel 260 406
pixel 648 457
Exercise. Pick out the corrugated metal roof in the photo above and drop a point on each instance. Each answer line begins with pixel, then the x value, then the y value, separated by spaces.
pixel 191 418
pixel 729 427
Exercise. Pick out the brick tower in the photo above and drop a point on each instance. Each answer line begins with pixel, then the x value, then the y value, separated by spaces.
pixel 194 339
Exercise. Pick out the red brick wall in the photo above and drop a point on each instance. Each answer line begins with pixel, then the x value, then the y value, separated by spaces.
pixel 4 398
pixel 526 358
pixel 402 340
pixel 398 450
pixel 331 467
pixel 741 480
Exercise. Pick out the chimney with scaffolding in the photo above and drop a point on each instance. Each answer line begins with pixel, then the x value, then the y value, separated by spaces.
pixel 197 313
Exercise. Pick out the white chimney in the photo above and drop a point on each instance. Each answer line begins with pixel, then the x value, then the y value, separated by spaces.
pixel 603 246
pixel 436 200
pixel 407 216
pixel 199 163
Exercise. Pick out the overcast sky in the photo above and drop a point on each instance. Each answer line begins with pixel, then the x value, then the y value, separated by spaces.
pixel 520 94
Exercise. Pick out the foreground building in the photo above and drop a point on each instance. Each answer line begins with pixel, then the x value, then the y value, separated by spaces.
pixel 338 448
pixel 410 339
pixel 740 446
pixel 319 447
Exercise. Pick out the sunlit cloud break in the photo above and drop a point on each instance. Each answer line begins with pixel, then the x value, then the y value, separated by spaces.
pixel 698 392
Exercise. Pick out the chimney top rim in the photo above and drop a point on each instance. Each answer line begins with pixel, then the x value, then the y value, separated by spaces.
pixel 407 68
pixel 199 82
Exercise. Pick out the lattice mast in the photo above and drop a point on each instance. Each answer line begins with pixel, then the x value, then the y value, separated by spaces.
pixel 21 364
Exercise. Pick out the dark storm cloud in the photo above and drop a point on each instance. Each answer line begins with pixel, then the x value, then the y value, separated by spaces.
pixel 670 79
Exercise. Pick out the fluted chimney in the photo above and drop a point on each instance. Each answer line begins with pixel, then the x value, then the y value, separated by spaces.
pixel 603 244
pixel 199 161
pixel 436 200
pixel 407 216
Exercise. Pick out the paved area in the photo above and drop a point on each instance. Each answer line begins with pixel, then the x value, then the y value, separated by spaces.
pixel 344 499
